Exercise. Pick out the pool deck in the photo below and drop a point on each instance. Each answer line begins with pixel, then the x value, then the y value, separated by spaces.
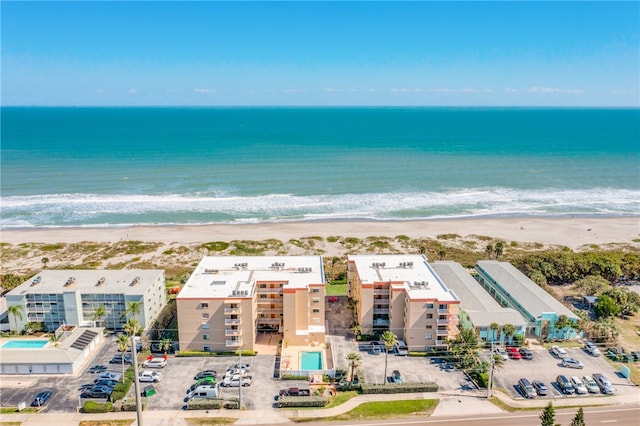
pixel 291 359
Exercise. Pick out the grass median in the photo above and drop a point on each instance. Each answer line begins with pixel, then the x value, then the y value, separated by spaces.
pixel 381 410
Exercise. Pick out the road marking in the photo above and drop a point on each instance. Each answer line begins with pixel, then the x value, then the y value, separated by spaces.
pixel 608 421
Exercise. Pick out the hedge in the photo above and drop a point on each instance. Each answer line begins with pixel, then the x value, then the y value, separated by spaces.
pixel 292 377
pixel 96 407
pixel 128 405
pixel 302 401
pixel 122 388
pixel 398 388
pixel 214 354
pixel 205 404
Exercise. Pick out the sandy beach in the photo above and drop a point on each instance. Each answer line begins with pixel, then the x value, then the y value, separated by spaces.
pixel 574 232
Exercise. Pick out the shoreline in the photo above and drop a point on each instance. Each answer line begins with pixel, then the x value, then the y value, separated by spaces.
pixel 573 232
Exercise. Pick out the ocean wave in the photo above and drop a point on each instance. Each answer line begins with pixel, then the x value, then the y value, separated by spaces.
pixel 122 209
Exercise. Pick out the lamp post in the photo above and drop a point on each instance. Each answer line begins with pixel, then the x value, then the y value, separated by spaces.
pixel 136 382
pixel 240 387
pixel 490 381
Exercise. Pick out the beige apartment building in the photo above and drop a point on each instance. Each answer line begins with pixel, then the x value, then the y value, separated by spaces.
pixel 403 294
pixel 228 300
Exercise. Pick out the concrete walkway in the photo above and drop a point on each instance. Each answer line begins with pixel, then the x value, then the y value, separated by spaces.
pixel 454 403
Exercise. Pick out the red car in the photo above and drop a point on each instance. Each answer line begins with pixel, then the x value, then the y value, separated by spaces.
pixel 513 353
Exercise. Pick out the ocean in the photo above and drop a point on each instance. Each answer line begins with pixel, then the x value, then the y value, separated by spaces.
pixel 65 167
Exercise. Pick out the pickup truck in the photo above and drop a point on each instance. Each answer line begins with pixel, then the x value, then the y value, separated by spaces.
pixel 149 376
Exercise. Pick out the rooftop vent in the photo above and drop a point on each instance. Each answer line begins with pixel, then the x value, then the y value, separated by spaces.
pixel 100 282
pixel 240 293
pixel 378 265
pixel 70 281
pixel 420 284
pixel 405 265
pixel 135 281
pixel 36 280
pixel 304 269
pixel 218 282
pixel 242 265
pixel 277 265
pixel 210 271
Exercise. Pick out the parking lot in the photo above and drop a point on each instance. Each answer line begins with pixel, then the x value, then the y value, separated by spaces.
pixel 545 367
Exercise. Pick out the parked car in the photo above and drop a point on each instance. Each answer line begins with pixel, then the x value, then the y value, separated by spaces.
pixel 246 367
pixel 41 398
pixel 526 353
pixel 294 392
pixel 117 359
pixel 401 349
pixel 397 377
pixel 376 348
pixel 571 363
pixel 558 352
pixel 97 369
pixel 150 376
pixel 578 385
pixel 527 388
pixel 603 383
pixel 513 353
pixel 205 373
pixel 591 349
pixel 540 387
pixel 97 392
pixel 590 384
pixel 565 385
pixel 207 381
pixel 204 391
pixel 498 351
pixel 236 380
pixel 155 363
pixel 109 375
pixel 105 382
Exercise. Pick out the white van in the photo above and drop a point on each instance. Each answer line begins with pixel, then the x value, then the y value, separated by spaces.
pixel 204 392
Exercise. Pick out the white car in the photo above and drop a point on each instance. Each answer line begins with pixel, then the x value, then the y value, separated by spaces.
pixel 155 363
pixel 500 352
pixel 235 381
pixel 590 384
pixel 592 349
pixel 558 352
pixel 150 376
pixel 578 385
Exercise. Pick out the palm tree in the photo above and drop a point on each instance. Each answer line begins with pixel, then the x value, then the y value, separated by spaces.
pixel 131 327
pixel 561 325
pixel 508 330
pixel 100 312
pixel 390 340
pixel 123 345
pixel 357 330
pixel 499 249
pixel 45 260
pixel 165 345
pixel 355 361
pixel 494 327
pixel 442 253
pixel 133 308
pixel 16 311
pixel 489 250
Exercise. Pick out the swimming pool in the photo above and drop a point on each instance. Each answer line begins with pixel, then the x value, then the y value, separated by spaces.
pixel 25 344
pixel 311 361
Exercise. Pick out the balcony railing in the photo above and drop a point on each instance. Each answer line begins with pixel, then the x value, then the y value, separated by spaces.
pixel 443 322
pixel 380 291
pixel 443 311
pixel 442 332
pixel 229 311
pixel 234 343
pixel 270 290
pixel 232 332
pixel 381 311
pixel 232 322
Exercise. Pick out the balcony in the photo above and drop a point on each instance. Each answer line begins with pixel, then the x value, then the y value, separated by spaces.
pixel 443 311
pixel 442 332
pixel 443 322
pixel 232 332
pixel 380 291
pixel 381 311
pixel 233 343
pixel 232 322
pixel 270 290
pixel 232 311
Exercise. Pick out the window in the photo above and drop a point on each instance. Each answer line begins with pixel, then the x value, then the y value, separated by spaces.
pixel 315 290
pixel 429 316
pixel 205 326
pixel 206 348
pixel 316 311
pixel 206 337
pixel 429 327
pixel 429 305
pixel 316 300
pixel 262 286
pixel 205 316
pixel 443 306
pixel 315 320
pixel 428 336
pixel 204 305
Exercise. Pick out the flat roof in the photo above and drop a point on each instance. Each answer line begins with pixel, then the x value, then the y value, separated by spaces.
pixel 482 309
pixel 528 294
pixel 85 281
pixel 64 353
pixel 411 270
pixel 236 276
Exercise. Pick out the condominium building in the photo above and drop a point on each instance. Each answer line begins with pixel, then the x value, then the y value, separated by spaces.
pixel 478 310
pixel 402 294
pixel 71 297
pixel 512 288
pixel 228 300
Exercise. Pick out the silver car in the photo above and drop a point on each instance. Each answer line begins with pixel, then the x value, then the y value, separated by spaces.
pixel 571 363
pixel 590 384
pixel 578 385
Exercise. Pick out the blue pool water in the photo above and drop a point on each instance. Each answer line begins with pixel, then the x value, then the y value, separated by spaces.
pixel 311 361
pixel 24 344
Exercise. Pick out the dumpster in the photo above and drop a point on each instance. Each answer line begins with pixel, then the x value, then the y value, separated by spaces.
pixel 149 390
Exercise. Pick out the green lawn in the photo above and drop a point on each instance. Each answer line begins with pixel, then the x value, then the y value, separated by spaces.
pixel 336 289
pixel 382 410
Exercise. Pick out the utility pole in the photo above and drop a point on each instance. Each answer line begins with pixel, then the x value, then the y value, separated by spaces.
pixel 136 382
pixel 490 381
pixel 241 379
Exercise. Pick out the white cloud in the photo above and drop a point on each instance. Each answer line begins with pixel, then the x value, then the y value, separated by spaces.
pixel 540 89
pixel 294 91
pixel 510 90
pixel 101 91
pixel 332 90
pixel 440 90
pixel 132 91
pixel 205 91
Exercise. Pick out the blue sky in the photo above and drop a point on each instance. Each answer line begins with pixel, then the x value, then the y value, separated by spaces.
pixel 321 53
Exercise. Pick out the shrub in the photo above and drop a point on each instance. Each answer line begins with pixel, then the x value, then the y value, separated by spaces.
pixel 302 401
pixel 128 405
pixel 201 353
pixel 96 407
pixel 205 404
pixel 398 388
pixel 292 377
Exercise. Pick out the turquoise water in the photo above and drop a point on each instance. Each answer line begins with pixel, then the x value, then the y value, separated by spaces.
pixel 25 344
pixel 310 361
pixel 123 166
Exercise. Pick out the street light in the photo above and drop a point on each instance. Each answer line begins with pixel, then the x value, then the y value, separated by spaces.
pixel 136 382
